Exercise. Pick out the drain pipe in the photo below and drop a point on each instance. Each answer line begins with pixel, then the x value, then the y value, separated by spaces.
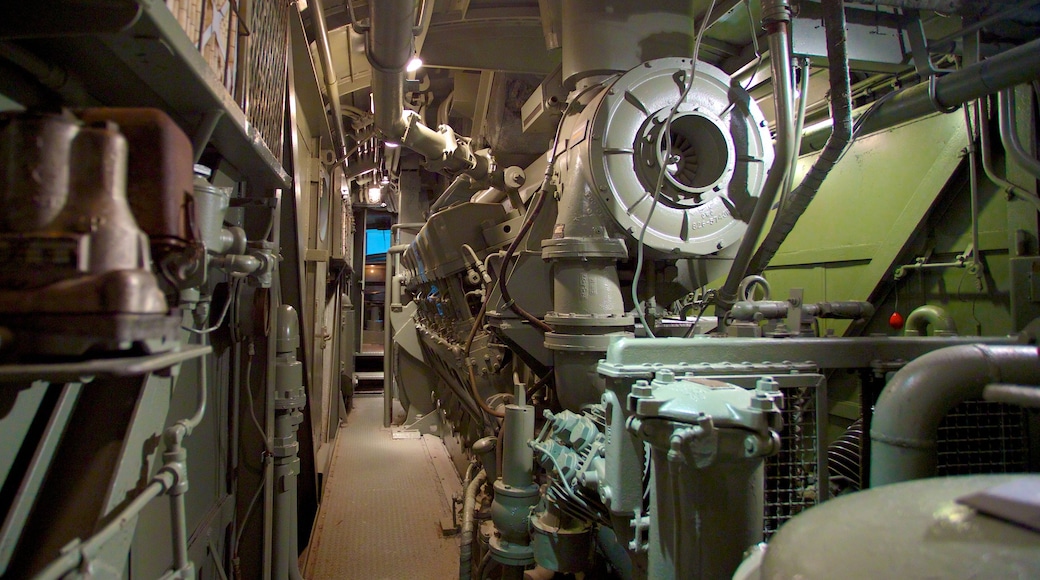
pixel 1009 134
pixel 776 19
pixel 906 419
pixel 841 112
pixel 321 38
pixel 290 399
pixel 987 159
pixel 469 506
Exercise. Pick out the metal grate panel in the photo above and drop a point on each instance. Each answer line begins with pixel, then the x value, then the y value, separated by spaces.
pixel 983 437
pixel 269 44
pixel 791 480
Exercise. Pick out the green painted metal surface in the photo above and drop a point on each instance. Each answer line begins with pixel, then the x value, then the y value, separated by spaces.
pixel 874 200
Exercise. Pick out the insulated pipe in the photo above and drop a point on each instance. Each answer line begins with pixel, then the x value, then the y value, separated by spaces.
pixel 911 406
pixel 321 38
pixel 469 506
pixel 389 46
pixel 922 317
pixel 940 94
pixel 776 18
pixel 841 112
pixel 1009 134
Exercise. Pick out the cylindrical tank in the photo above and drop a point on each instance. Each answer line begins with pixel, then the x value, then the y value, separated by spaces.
pixel 915 529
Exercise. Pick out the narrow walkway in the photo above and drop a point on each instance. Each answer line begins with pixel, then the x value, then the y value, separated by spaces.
pixel 386 497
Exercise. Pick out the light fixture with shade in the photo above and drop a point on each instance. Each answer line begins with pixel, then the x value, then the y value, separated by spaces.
pixel 375 195
pixel 414 64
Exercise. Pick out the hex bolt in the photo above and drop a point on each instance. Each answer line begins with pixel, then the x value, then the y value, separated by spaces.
pixel 664 376
pixel 750 445
pixel 642 389
pixel 767 385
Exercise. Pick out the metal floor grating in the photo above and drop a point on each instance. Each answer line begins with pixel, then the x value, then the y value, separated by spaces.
pixel 384 501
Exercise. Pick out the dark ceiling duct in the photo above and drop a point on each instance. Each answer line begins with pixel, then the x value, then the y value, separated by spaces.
pixel 965 7
pixel 389 46
pixel 602 38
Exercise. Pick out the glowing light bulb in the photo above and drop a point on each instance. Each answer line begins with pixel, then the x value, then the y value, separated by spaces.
pixel 414 64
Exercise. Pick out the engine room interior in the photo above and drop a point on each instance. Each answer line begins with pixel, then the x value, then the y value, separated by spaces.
pixel 518 289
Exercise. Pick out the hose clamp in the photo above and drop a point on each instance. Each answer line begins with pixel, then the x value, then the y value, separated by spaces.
pixel 935 99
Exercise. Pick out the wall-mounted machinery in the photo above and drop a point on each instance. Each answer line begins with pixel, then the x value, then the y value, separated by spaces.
pixel 77 263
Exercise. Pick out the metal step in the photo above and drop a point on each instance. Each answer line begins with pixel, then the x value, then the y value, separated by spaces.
pixel 368 381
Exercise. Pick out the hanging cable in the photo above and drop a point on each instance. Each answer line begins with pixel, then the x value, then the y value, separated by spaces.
pixel 666 135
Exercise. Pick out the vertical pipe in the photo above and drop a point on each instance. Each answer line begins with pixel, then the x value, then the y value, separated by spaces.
pixel 973 178
pixel 803 98
pixel 518 458
pixel 180 531
pixel 776 16
pixel 269 421
pixel 987 158
pixel 1009 134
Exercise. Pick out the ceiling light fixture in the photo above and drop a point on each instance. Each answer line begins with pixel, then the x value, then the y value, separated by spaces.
pixel 414 64
pixel 375 194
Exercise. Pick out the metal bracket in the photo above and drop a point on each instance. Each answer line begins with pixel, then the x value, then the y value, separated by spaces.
pixel 919 46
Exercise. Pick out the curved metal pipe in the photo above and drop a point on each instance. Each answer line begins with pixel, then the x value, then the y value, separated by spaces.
pixel 987 159
pixel 468 508
pixel 1009 136
pixel 841 135
pixel 922 317
pixel 908 413
pixel 389 46
pixel 779 26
